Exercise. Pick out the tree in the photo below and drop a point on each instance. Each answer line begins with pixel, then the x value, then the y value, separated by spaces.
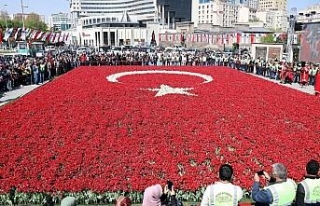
pixel 33 21
pixel 268 39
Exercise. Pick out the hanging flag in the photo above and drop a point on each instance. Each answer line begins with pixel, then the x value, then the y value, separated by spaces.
pixel 53 37
pixel 33 34
pixel 17 33
pixel 29 33
pixel 23 35
pixel 38 35
pixel 67 38
pixel 7 34
pixel 1 35
pixel 48 38
pixel 252 38
pixel 57 37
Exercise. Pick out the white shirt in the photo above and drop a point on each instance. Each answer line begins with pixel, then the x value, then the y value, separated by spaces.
pixel 220 188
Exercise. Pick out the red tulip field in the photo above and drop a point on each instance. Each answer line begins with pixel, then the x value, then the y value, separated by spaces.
pixel 107 129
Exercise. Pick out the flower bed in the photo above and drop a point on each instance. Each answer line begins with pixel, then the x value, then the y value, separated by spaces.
pixel 83 132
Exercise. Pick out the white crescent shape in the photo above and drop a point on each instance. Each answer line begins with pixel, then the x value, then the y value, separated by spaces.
pixel 114 77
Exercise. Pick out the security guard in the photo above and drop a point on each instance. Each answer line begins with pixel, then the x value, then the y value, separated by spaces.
pixel 308 192
pixel 223 192
pixel 281 190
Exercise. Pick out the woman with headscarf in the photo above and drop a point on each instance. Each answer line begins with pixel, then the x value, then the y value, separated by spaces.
pixel 155 196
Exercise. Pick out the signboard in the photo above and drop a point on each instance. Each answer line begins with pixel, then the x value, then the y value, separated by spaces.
pixel 310 43
pixel 274 53
pixel 261 52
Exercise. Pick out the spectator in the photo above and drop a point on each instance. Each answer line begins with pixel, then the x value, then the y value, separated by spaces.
pixel 155 196
pixel 222 192
pixel 68 201
pixel 280 190
pixel 308 192
pixel 123 201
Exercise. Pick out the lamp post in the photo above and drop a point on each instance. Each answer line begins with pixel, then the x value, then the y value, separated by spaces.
pixel 5 12
pixel 22 12
pixel 290 33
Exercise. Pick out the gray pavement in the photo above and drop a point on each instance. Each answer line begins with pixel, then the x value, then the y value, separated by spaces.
pixel 296 86
pixel 7 97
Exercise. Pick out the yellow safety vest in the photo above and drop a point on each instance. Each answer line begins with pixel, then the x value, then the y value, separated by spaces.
pixel 223 198
pixel 311 190
pixel 284 193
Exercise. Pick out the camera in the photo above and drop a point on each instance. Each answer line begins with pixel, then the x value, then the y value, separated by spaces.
pixel 170 184
pixel 260 173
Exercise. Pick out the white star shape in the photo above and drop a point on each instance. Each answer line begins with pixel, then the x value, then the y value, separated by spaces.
pixel 165 89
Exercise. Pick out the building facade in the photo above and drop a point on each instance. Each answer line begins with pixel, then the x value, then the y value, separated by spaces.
pixel 112 30
pixel 275 20
pixel 19 16
pixel 309 14
pixel 60 21
pixel 166 12
pixel 214 12
pixel 220 13
pixel 272 5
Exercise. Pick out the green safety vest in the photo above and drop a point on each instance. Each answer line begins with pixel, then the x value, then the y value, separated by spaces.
pixel 311 190
pixel 283 193
pixel 223 198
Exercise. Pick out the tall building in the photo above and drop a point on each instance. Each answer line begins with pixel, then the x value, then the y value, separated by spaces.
pixel 272 5
pixel 220 13
pixel 165 11
pixel 214 12
pixel 60 21
pixel 275 20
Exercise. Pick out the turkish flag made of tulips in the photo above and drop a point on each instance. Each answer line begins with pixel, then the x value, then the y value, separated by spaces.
pixel 125 128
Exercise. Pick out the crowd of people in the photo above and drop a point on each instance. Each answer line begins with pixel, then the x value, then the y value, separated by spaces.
pixel 279 190
pixel 16 71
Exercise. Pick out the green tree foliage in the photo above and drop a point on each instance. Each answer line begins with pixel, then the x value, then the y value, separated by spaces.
pixel 268 39
pixel 33 21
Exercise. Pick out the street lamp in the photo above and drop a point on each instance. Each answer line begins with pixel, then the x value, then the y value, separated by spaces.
pixel 290 33
pixel 22 10
pixel 5 12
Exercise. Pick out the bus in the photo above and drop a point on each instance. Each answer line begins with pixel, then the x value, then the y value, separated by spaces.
pixel 23 48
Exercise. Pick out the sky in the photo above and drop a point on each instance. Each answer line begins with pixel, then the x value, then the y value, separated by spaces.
pixel 47 7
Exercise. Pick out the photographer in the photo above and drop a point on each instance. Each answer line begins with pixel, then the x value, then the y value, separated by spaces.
pixel 222 192
pixel 280 190
pixel 156 196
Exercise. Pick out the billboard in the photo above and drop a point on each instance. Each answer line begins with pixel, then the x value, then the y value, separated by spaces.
pixel 310 43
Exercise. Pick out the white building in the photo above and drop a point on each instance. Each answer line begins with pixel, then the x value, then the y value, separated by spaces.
pixel 115 30
pixel 60 21
pixel 163 11
pixel 275 20
pixel 220 13
pixel 214 12
pixel 246 14
pixel 272 5
pixel 309 14
pixel 25 16
pixel 254 4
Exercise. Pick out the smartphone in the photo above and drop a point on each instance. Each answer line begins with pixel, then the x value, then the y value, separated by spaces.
pixel 260 173
pixel 170 184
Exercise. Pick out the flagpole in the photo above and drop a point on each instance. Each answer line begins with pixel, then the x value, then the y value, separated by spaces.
pixel 6 16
